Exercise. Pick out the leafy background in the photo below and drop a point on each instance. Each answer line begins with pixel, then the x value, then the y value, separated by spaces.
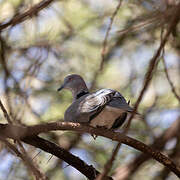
pixel 67 37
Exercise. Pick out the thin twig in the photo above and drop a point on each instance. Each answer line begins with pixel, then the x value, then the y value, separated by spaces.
pixel 103 52
pixel 154 61
pixel 169 80
pixel 7 74
pixel 109 163
pixel 166 71
pixel 5 113
pixel 23 154
pixel 104 45
pixel 33 11
pixel 155 18
pixel 26 160
pixel 153 64
pixel 36 155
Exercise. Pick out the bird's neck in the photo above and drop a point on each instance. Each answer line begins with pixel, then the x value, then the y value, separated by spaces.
pixel 77 93
pixel 82 93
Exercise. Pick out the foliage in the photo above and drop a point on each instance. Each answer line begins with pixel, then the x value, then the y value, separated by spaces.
pixel 67 37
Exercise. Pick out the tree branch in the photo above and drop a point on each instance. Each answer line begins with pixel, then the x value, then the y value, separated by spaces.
pixel 33 11
pixel 88 170
pixel 155 59
pixel 125 172
pixel 104 46
pixel 26 160
pixel 109 163
pixel 170 82
pixel 19 132
pixel 23 155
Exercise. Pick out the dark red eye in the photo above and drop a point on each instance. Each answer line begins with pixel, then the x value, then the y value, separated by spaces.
pixel 70 79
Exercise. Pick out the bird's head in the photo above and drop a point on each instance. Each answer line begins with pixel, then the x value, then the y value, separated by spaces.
pixel 74 83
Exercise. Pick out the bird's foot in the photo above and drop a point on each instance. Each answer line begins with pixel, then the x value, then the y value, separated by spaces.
pixel 94 136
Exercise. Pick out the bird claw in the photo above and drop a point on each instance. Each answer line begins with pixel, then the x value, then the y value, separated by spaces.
pixel 94 136
pixel 99 127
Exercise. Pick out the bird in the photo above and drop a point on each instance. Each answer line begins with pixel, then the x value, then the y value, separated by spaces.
pixel 104 108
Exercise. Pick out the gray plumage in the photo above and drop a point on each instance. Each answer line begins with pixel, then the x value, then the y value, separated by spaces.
pixel 103 108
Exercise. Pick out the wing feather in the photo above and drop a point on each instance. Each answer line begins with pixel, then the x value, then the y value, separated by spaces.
pixel 94 101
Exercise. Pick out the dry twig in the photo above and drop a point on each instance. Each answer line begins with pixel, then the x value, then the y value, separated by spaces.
pixel 109 163
pixel 21 132
pixel 5 112
pixel 104 48
pixel 170 82
pixel 26 160
pixel 152 65
pixel 88 170
pixel 23 155
pixel 33 11
pixel 154 61
pixel 125 172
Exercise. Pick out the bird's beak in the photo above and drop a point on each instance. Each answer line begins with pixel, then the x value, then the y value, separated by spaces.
pixel 59 89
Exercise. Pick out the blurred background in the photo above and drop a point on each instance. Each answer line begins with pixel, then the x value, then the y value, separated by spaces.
pixel 67 37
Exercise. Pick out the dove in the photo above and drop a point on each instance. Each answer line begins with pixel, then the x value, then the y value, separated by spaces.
pixel 104 108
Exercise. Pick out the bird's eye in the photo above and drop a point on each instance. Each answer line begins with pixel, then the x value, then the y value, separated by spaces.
pixel 70 79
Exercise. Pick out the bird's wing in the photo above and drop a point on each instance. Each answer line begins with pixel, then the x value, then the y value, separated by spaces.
pixel 119 102
pixel 91 105
pixel 95 101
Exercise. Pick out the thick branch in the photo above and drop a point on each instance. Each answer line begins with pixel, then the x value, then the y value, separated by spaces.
pixel 89 171
pixel 26 160
pixel 18 132
pixel 125 172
